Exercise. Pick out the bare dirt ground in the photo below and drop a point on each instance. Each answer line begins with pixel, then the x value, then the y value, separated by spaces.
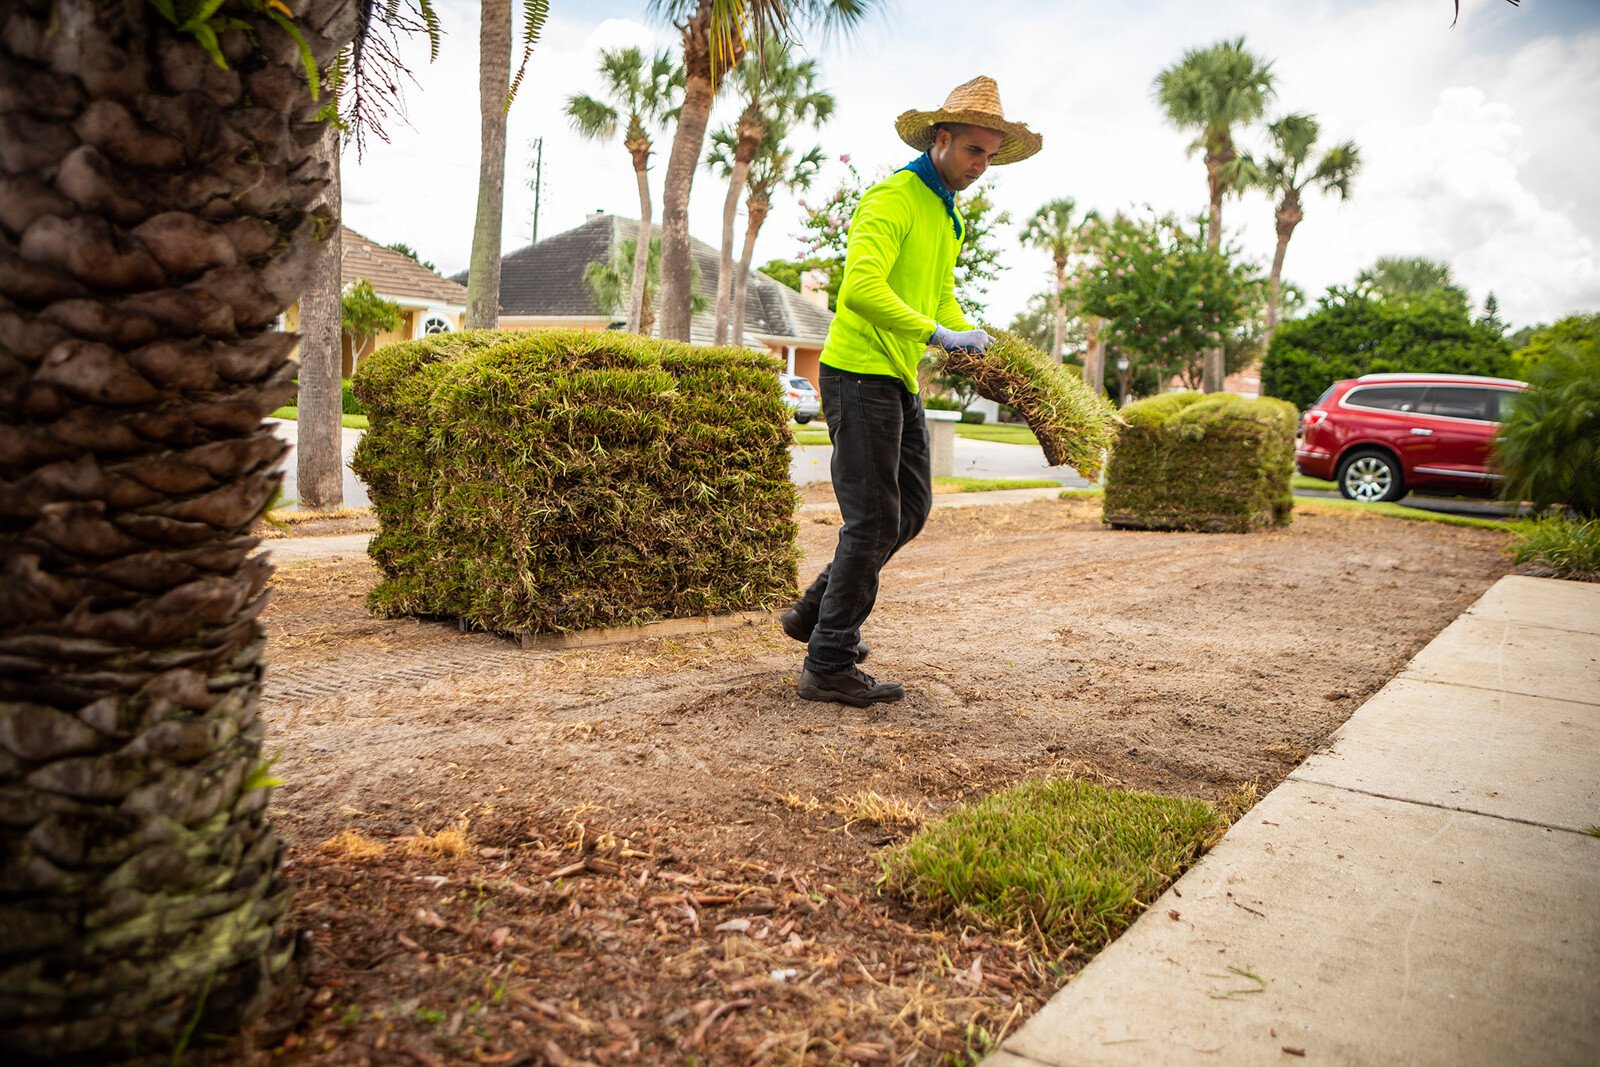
pixel 657 853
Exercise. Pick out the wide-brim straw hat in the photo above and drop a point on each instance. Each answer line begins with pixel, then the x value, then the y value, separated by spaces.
pixel 974 103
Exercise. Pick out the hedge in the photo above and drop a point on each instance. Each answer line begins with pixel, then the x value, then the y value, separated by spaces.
pixel 1190 461
pixel 554 480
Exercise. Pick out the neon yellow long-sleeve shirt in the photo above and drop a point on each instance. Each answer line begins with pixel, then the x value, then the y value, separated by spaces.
pixel 899 281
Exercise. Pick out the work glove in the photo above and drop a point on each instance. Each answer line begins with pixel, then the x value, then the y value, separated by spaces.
pixel 966 340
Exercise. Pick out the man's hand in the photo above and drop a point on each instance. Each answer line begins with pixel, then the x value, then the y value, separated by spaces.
pixel 968 340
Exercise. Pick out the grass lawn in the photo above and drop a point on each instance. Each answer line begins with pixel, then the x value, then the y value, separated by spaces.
pixel 1067 860
pixel 989 485
pixel 815 433
pixel 1007 433
pixel 1300 481
pixel 1313 505
pixel 351 422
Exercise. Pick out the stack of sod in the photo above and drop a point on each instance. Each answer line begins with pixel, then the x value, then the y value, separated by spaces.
pixel 555 480
pixel 1188 461
pixel 1074 425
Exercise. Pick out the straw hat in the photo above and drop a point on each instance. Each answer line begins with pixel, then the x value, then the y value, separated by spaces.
pixel 974 103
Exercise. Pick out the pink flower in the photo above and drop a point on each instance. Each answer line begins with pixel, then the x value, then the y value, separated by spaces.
pixel 845 158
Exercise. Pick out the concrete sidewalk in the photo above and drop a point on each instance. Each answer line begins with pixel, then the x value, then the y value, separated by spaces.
pixel 1421 891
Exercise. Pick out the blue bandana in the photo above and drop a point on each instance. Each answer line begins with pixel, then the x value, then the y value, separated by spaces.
pixel 923 168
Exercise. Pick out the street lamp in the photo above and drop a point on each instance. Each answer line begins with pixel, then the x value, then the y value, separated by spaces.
pixel 1122 371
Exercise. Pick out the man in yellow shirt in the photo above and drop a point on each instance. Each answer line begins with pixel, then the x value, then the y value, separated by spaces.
pixel 897 297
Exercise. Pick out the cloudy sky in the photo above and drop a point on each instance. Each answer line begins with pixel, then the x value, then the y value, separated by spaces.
pixel 1481 144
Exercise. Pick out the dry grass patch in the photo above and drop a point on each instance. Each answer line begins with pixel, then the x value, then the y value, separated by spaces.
pixel 353 845
pixel 450 843
pixel 869 806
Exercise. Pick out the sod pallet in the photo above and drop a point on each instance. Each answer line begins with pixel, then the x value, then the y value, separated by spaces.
pixel 549 481
pixel 1188 461
pixel 1074 424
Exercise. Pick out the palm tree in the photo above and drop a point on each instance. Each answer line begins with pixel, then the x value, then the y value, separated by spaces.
pixel 714 34
pixel 1212 90
pixel 775 167
pixel 608 281
pixel 776 89
pixel 497 88
pixel 158 215
pixel 1053 230
pixel 1412 278
pixel 1284 174
pixel 642 90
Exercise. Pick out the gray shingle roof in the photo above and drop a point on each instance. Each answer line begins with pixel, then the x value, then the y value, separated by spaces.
pixel 547 279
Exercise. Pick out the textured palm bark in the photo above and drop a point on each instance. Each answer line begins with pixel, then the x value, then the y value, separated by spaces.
pixel 751 129
pixel 319 457
pixel 676 279
pixel 494 81
pixel 157 214
pixel 640 150
pixel 1060 305
pixel 1094 360
pixel 760 204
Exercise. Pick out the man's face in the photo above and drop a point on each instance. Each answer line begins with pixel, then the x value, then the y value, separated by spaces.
pixel 962 155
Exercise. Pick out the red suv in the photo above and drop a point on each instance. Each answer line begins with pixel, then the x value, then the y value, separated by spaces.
pixel 1382 435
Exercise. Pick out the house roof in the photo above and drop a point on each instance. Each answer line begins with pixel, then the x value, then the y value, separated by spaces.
pixel 396 276
pixel 546 279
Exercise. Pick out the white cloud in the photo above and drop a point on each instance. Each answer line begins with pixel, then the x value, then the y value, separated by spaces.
pixel 1480 143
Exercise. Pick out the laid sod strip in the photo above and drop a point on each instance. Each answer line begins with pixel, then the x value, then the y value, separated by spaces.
pixel 547 481
pixel 1558 546
pixel 1074 425
pixel 1386 510
pixel 1067 861
pixel 1189 461
pixel 292 414
pixel 991 485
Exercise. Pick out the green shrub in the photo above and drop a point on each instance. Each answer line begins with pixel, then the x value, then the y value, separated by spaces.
pixel 555 480
pixel 1073 425
pixel 974 418
pixel 1190 461
pixel 1549 443
pixel 1582 331
pixel 1558 546
pixel 1352 334
pixel 1066 860
pixel 351 403
pixel 940 403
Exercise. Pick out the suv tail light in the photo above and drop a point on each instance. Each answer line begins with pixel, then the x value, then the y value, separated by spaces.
pixel 1314 416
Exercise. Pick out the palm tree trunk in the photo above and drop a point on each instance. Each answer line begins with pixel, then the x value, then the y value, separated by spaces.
pixel 159 214
pixel 693 116
pixel 757 207
pixel 1288 217
pixel 1216 159
pixel 730 211
pixel 1061 310
pixel 494 81
pixel 1094 362
pixel 319 457
pixel 641 253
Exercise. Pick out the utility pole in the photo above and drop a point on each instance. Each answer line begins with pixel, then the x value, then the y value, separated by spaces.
pixel 538 180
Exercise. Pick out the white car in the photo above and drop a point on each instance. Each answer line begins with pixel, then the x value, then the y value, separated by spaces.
pixel 801 396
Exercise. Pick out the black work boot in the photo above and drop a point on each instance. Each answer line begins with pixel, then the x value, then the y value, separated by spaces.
pixel 849 686
pixel 799 626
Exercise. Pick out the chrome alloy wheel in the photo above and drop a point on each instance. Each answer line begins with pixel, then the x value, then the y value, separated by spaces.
pixel 1368 478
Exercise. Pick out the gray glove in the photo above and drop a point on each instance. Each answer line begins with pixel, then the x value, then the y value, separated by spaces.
pixel 969 340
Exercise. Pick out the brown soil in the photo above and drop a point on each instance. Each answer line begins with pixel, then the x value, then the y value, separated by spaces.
pixel 661 854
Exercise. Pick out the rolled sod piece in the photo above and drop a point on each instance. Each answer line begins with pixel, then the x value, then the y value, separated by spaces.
pixel 546 481
pixel 1074 425
pixel 1189 461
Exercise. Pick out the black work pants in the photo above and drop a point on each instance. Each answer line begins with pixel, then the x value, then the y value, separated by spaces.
pixel 882 478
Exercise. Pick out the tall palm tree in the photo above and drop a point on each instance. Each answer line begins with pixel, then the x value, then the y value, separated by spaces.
pixel 1285 173
pixel 158 210
pixel 714 35
pixel 497 87
pixel 1408 278
pixel 776 166
pixel 639 95
pixel 1211 90
pixel 1053 230
pixel 775 89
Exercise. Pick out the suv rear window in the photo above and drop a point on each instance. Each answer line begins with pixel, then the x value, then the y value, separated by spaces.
pixel 1385 397
pixel 1461 402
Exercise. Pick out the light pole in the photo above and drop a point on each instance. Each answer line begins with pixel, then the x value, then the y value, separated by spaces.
pixel 1122 372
